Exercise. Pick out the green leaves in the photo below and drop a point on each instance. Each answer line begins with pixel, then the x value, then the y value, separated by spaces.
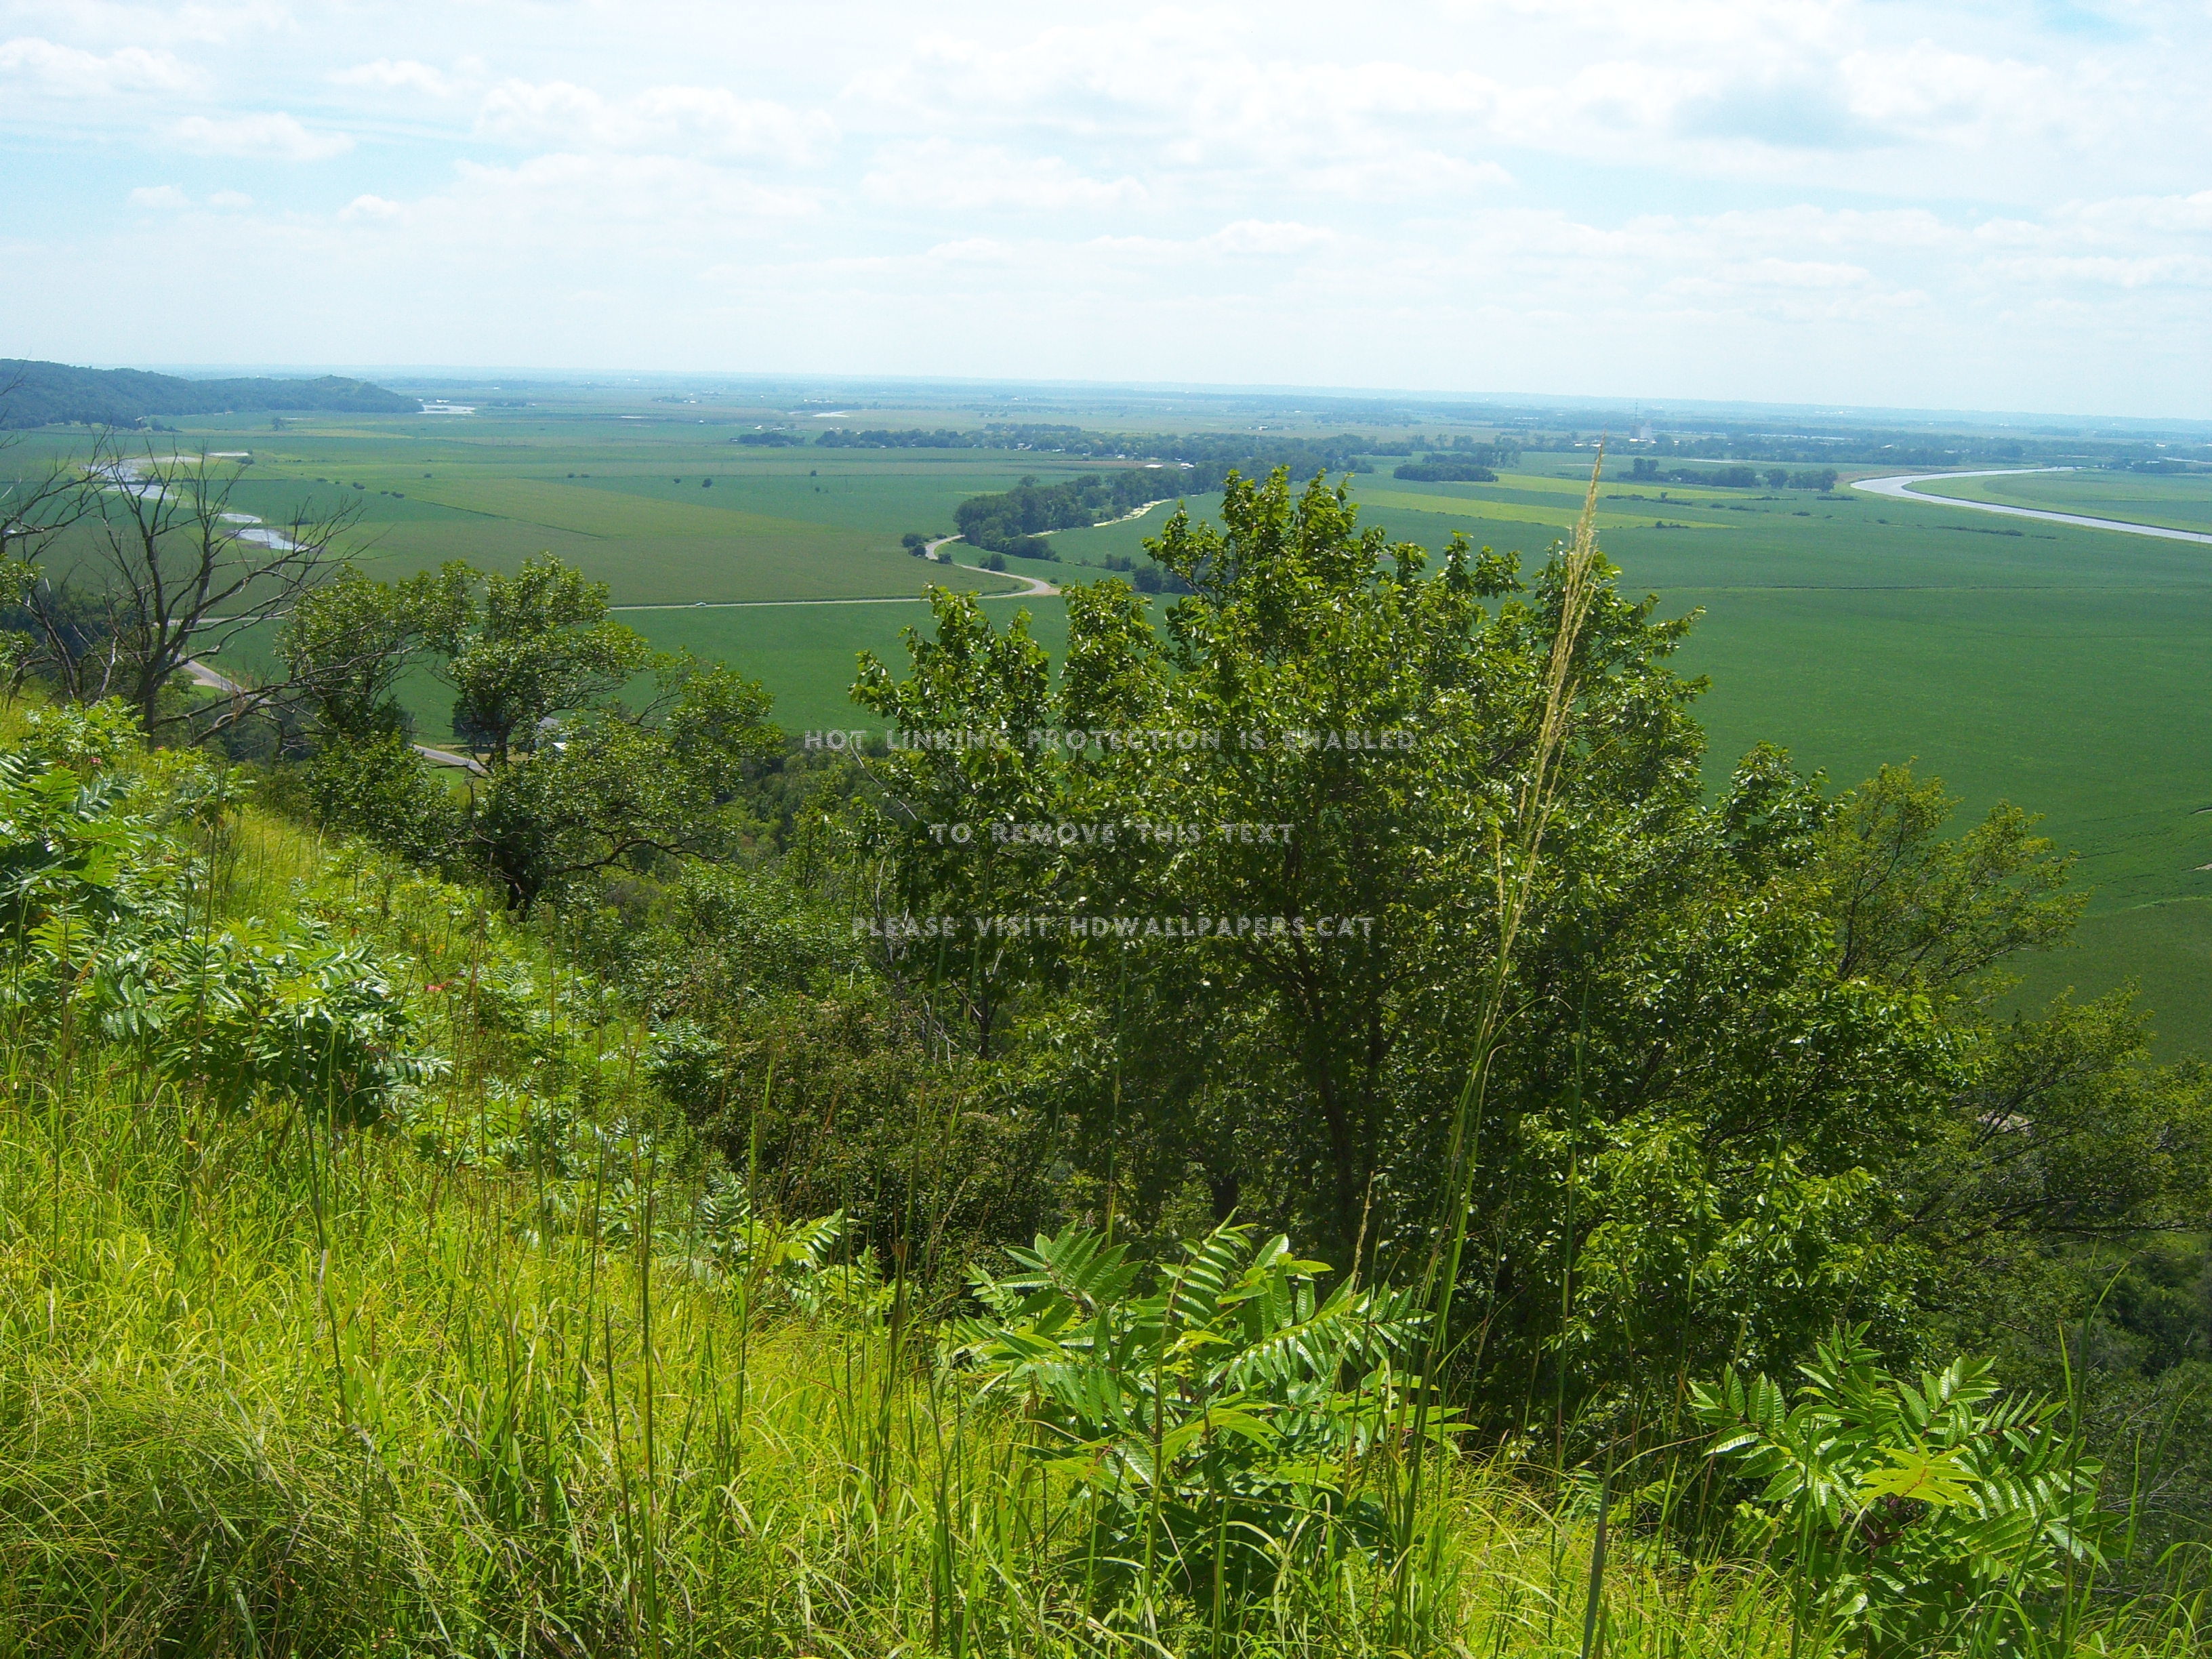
pixel 106 927
pixel 1915 1518
pixel 542 647
pixel 1217 1418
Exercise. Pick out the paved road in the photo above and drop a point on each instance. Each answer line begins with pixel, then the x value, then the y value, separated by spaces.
pixel 1896 489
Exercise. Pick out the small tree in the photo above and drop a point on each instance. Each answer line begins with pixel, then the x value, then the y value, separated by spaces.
pixel 574 782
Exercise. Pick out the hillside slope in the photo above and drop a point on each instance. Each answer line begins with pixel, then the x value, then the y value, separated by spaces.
pixel 34 393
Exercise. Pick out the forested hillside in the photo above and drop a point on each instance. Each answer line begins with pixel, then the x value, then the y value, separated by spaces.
pixel 39 394
pixel 1298 1128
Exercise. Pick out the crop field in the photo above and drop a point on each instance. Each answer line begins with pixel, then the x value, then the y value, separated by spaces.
pixel 2180 502
pixel 2060 668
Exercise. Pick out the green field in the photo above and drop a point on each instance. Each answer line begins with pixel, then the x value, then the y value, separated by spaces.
pixel 2177 500
pixel 2059 667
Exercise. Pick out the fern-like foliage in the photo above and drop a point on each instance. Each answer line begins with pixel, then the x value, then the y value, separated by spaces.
pixel 1216 1412
pixel 106 935
pixel 1919 1518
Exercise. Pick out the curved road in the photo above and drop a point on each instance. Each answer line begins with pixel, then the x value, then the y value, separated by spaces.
pixel 1896 489
pixel 203 675
pixel 1034 589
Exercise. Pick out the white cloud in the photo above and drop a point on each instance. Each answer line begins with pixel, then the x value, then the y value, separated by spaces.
pixel 1266 237
pixel 159 196
pixel 230 201
pixel 935 173
pixel 399 75
pixel 1824 199
pixel 72 72
pixel 703 121
pixel 276 135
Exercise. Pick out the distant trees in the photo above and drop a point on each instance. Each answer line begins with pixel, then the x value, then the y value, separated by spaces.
pixel 1014 522
pixel 1644 469
pixel 943 438
pixel 915 543
pixel 1446 469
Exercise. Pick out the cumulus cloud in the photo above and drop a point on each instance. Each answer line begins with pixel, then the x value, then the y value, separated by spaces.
pixel 935 173
pixel 705 121
pixel 73 72
pixel 165 196
pixel 399 75
pixel 277 136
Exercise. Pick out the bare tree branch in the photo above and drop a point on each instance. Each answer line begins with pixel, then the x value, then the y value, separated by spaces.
pixel 172 574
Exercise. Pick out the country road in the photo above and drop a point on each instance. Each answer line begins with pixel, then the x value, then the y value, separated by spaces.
pixel 1896 489
pixel 203 675
pixel 1032 588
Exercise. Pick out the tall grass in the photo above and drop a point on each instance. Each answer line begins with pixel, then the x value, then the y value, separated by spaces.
pixel 262 1391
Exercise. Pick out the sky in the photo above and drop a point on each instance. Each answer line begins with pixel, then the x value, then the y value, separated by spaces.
pixel 1999 206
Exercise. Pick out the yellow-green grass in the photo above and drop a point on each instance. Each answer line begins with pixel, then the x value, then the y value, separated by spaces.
pixel 2177 501
pixel 264 1390
pixel 264 1393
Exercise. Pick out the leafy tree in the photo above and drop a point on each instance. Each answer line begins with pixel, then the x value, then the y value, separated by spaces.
pixel 538 647
pixel 574 781
pixel 346 643
pixel 1740 1087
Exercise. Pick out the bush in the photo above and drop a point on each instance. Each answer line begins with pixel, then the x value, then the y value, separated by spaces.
pixel 1217 1416
pixel 1918 1520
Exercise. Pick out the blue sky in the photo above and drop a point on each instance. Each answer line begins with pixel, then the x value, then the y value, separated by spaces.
pixel 1999 206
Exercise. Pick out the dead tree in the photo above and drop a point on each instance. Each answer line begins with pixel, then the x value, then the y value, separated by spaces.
pixel 156 573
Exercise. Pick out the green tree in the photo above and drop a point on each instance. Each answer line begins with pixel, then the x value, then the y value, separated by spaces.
pixel 538 647
pixel 574 781
pixel 348 642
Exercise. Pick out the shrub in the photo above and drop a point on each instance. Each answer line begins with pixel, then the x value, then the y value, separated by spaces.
pixel 1215 1420
pixel 1914 1519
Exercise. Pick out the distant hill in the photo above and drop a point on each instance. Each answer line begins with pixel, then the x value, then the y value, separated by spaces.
pixel 39 394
